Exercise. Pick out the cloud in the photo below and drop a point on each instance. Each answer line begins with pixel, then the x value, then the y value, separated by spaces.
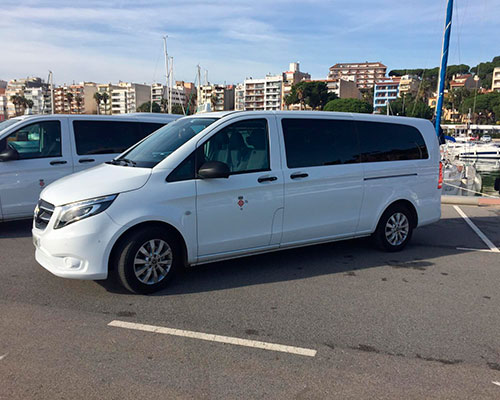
pixel 122 39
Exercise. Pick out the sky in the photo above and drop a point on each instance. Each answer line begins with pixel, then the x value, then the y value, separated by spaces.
pixel 112 40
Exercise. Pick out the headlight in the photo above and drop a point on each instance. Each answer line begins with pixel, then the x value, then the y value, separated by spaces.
pixel 73 212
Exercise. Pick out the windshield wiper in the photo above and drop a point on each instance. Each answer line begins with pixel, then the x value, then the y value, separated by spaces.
pixel 122 161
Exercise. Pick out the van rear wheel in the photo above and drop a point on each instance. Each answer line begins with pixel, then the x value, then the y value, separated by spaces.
pixel 147 260
pixel 394 229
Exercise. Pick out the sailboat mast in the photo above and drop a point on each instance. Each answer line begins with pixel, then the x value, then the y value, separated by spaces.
pixel 166 70
pixel 444 64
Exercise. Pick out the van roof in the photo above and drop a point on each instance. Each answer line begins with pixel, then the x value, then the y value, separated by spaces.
pixel 139 116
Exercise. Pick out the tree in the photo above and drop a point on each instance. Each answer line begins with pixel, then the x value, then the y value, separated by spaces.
pixel 146 107
pixel 409 107
pixel 79 102
pixel 98 99
pixel 349 105
pixel 164 105
pixel 314 94
pixel 20 104
pixel 367 95
pixel 486 107
pixel 177 109
pixel 69 97
pixel 105 99
pixel 456 97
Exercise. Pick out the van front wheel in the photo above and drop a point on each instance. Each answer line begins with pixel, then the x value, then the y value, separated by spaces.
pixel 147 260
pixel 394 229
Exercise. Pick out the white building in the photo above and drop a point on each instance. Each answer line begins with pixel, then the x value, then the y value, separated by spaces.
pixel 33 89
pixel 495 79
pixel 239 97
pixel 127 97
pixel 159 92
pixel 264 94
pixel 220 97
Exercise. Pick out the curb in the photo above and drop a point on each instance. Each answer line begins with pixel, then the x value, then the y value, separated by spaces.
pixel 470 200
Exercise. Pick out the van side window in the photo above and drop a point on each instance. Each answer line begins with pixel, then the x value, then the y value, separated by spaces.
pixel 243 146
pixel 381 141
pixel 106 137
pixel 38 140
pixel 313 142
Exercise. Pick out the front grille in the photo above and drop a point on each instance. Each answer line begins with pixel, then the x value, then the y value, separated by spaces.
pixel 43 212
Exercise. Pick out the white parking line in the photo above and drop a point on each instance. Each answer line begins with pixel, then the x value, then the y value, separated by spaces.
pixel 482 250
pixel 496 383
pixel 214 338
pixel 483 237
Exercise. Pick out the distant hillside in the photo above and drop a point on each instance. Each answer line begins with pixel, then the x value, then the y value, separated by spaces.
pixel 484 70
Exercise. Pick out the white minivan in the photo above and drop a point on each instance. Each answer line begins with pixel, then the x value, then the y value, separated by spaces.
pixel 223 185
pixel 36 150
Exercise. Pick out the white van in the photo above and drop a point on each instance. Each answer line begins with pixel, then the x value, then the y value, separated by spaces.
pixel 223 185
pixel 36 150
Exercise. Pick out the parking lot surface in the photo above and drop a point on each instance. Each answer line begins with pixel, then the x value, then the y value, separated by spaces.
pixel 421 323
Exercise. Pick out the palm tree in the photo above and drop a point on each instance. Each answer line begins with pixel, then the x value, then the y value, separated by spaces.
pixel 105 99
pixel 16 100
pixel 28 103
pixel 164 105
pixel 79 102
pixel 98 99
pixel 69 97
pixel 213 101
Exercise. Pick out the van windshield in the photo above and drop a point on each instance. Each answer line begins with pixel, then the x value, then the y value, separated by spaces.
pixel 163 142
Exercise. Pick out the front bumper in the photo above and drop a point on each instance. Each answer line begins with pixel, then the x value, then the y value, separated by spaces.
pixel 79 250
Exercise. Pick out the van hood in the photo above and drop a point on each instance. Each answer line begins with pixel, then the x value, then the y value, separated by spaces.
pixel 102 180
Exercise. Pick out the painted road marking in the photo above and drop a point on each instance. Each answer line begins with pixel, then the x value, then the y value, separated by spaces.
pixel 483 237
pixel 214 338
pixel 496 383
pixel 2 357
pixel 483 250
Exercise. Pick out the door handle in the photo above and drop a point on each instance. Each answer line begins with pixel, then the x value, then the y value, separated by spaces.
pixel 299 175
pixel 267 179
pixel 58 162
pixel 85 160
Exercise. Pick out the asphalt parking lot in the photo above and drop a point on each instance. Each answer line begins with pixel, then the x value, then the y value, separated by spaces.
pixel 422 323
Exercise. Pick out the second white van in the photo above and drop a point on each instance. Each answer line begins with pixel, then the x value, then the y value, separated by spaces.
pixel 36 150
pixel 223 185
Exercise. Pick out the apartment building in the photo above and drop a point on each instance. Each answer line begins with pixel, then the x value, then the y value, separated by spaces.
pixel 75 99
pixel 181 93
pixel 386 90
pixel 467 81
pixel 104 106
pixel 291 77
pixel 220 97
pixel 495 80
pixel 127 97
pixel 365 74
pixel 34 89
pixel 408 85
pixel 264 94
pixel 239 97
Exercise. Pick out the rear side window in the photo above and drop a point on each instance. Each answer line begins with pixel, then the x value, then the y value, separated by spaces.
pixel 106 137
pixel 150 127
pixel 390 142
pixel 318 142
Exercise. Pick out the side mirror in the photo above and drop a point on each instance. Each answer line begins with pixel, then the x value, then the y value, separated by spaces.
pixel 214 169
pixel 9 154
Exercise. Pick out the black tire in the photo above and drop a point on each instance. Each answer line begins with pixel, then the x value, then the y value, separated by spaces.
pixel 129 249
pixel 382 234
